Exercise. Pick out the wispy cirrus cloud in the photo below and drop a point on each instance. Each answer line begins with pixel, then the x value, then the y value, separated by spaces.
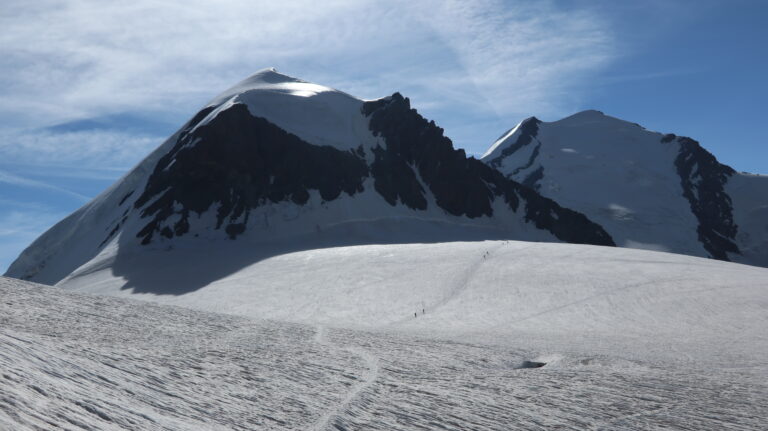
pixel 67 60
pixel 25 223
pixel 16 180
pixel 87 149
pixel 521 57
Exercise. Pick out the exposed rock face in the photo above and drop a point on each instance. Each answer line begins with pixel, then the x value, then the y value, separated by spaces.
pixel 240 162
pixel 461 185
pixel 703 180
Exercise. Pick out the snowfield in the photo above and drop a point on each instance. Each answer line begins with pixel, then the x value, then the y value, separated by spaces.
pixel 82 362
pixel 327 339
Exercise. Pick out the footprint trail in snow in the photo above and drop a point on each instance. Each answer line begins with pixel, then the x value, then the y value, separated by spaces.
pixel 372 364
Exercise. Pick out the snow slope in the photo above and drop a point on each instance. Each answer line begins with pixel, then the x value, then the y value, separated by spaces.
pixel 275 159
pixel 630 339
pixel 560 290
pixel 648 190
pixel 315 113
pixel 82 362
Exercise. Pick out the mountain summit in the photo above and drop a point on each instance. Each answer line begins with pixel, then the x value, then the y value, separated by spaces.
pixel 276 164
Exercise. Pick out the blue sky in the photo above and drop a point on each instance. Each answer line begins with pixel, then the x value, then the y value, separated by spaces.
pixel 90 87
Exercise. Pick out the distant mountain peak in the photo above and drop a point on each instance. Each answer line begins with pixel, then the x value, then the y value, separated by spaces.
pixel 271 81
pixel 587 113
pixel 512 140
pixel 648 190
pixel 270 75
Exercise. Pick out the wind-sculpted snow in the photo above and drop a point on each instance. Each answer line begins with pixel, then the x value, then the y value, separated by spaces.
pixel 438 384
pixel 84 362
pixel 76 361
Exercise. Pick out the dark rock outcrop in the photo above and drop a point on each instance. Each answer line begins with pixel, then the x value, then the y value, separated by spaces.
pixel 529 163
pixel 461 186
pixel 239 162
pixel 532 179
pixel 703 179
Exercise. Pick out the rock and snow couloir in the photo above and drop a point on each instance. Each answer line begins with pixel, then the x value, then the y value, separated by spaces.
pixel 646 189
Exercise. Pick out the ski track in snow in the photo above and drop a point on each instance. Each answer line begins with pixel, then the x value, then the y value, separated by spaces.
pixel 461 284
pixel 81 362
pixel 372 364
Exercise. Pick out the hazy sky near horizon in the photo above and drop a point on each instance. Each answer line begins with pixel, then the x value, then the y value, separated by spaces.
pixel 90 87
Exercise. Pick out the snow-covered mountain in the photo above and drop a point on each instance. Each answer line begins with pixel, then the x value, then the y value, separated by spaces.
pixel 276 163
pixel 646 189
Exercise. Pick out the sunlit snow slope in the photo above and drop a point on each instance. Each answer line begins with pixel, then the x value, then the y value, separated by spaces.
pixel 648 190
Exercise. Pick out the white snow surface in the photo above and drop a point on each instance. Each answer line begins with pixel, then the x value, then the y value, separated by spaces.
pixel 623 177
pixel 317 114
pixel 632 339
pixel 478 286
